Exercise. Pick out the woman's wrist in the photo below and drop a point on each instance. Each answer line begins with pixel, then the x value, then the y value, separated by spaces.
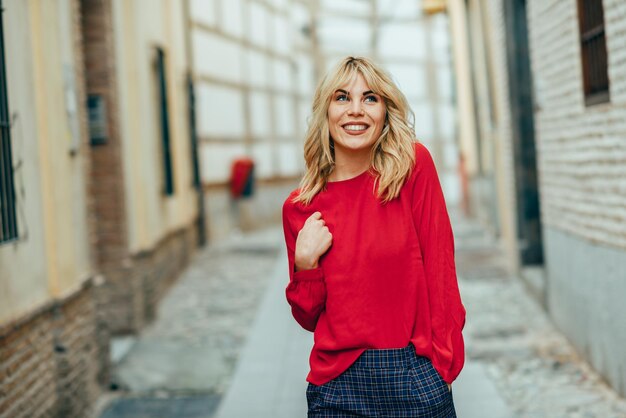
pixel 306 264
pixel 309 266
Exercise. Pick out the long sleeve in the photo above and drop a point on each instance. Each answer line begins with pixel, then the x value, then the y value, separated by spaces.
pixel 437 246
pixel 306 291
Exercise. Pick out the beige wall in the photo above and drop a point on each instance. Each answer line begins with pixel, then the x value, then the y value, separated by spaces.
pixel 50 259
pixel 462 66
pixel 503 132
pixel 496 133
pixel 139 27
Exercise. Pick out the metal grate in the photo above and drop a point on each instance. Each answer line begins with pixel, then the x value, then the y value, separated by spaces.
pixel 593 49
pixel 8 227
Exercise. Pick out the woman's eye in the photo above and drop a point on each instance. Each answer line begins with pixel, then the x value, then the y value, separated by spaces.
pixel 371 99
pixel 341 98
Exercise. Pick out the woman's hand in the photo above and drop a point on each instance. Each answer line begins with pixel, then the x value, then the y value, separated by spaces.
pixel 314 239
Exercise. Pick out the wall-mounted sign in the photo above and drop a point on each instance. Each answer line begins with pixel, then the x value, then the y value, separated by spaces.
pixel 97 119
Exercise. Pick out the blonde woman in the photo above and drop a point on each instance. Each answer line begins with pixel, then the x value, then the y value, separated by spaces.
pixel 371 256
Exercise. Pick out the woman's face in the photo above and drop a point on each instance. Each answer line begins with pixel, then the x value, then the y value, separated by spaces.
pixel 356 117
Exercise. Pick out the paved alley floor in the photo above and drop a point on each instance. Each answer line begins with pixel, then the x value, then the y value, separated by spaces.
pixel 511 342
pixel 224 344
pixel 182 364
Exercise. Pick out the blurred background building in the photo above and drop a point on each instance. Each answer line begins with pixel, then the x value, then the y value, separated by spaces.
pixel 542 127
pixel 121 121
pixel 99 207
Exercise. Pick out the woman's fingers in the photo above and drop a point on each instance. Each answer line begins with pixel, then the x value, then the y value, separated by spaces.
pixel 314 217
pixel 313 240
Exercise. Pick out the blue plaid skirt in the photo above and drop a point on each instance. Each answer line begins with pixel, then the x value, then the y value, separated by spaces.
pixel 384 383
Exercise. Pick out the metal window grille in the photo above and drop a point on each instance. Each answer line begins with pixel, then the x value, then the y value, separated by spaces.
pixel 593 49
pixel 8 226
pixel 165 124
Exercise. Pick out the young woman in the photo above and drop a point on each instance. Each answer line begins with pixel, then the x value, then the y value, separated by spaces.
pixel 371 256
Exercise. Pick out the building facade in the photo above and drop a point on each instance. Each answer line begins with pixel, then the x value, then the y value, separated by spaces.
pixel 255 67
pixel 103 212
pixel 121 121
pixel 578 55
pixel 382 30
pixel 252 72
pixel 543 84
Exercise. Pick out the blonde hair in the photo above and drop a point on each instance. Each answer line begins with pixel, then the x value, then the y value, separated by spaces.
pixel 393 154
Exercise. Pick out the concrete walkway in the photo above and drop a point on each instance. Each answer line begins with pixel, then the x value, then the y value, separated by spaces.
pixel 269 380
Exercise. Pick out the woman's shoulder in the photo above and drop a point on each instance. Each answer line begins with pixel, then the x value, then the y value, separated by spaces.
pixel 421 151
pixel 291 203
pixel 290 200
pixel 423 157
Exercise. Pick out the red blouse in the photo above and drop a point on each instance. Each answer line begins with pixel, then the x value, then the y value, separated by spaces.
pixel 388 279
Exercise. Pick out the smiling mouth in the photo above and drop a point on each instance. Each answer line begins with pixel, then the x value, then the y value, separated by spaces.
pixel 355 128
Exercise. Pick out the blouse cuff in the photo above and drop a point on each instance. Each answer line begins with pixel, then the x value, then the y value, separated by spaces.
pixel 308 275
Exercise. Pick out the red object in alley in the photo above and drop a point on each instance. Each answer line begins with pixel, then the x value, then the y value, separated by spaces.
pixel 241 177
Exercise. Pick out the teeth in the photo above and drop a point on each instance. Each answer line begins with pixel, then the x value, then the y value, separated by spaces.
pixel 355 127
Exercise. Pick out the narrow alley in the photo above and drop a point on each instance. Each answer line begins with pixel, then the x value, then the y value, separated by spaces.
pixel 147 147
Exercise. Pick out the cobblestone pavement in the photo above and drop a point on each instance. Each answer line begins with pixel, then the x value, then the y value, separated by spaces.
pixel 215 303
pixel 534 367
pixel 182 363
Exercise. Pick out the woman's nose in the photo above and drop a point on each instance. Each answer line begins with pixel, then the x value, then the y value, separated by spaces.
pixel 356 108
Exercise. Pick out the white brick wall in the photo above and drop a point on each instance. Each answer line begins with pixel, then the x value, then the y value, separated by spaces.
pixel 581 150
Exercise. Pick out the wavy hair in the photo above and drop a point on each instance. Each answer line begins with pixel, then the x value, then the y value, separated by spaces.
pixel 393 155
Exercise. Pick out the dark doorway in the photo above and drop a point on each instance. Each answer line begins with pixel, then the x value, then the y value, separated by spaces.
pixel 520 90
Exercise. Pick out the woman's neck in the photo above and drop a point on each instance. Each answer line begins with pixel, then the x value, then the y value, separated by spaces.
pixel 349 166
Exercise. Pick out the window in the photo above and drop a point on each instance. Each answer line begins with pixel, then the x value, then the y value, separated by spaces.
pixel 165 123
pixel 8 225
pixel 593 49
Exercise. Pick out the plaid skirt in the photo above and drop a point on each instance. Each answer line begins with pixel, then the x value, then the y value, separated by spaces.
pixel 384 383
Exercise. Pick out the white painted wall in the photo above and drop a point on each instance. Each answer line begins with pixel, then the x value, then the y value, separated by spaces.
pixel 139 27
pixel 50 258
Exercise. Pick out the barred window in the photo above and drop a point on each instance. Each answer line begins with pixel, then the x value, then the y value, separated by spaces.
pixel 8 221
pixel 165 123
pixel 593 49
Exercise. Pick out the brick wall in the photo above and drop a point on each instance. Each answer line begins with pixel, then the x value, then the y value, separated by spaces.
pixel 107 175
pixel 582 167
pixel 51 361
pixel 581 150
pixel 130 295
pixel 160 267
pixel 48 361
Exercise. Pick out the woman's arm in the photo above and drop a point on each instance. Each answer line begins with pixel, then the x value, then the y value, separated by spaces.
pixel 306 292
pixel 437 245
